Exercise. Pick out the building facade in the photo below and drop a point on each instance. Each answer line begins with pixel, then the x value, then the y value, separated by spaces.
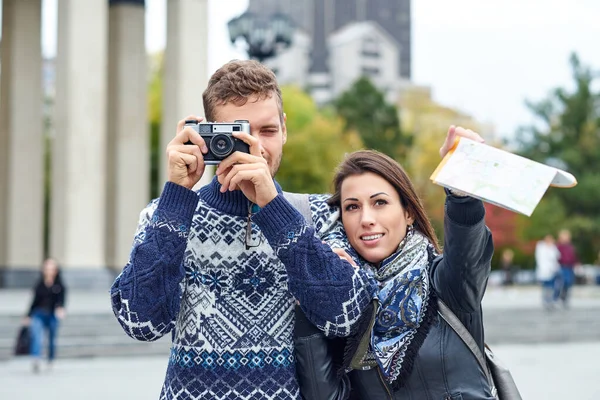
pixel 100 156
pixel 373 53
pixel 320 20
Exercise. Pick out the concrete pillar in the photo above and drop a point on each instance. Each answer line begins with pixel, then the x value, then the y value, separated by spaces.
pixel 78 218
pixel 128 134
pixel 21 142
pixel 185 70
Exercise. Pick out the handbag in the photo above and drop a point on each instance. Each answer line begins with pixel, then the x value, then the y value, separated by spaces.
pixel 501 381
pixel 23 341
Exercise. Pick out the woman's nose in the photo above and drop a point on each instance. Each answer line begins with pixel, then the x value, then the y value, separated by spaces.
pixel 367 217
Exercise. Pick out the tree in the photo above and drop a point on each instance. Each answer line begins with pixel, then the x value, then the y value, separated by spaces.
pixel 155 115
pixel 316 143
pixel 568 136
pixel 365 110
pixel 429 122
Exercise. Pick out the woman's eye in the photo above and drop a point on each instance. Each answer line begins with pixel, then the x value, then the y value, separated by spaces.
pixel 351 207
pixel 380 202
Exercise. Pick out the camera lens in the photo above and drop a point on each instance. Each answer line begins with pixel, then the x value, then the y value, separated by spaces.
pixel 221 145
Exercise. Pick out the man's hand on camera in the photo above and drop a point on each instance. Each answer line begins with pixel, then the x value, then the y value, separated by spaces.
pixel 248 172
pixel 186 162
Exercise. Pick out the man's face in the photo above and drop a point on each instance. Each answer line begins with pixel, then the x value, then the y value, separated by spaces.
pixel 265 125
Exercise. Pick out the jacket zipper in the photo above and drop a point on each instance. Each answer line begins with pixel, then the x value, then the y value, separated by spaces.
pixel 383 383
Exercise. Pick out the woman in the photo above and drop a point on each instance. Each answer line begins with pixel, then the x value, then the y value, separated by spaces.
pixel 412 353
pixel 404 350
pixel 47 309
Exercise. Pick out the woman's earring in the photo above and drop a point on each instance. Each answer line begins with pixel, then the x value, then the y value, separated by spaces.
pixel 409 230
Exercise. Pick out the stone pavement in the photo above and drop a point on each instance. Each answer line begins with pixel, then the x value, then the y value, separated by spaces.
pixel 542 372
pixel 552 355
pixel 16 301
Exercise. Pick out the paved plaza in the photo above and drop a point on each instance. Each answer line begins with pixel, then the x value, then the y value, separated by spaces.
pixel 545 367
pixel 544 372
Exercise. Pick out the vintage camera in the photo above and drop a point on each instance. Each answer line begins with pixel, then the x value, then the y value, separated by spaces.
pixel 219 140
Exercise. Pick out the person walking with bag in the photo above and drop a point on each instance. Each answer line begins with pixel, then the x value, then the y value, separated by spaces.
pixel 46 311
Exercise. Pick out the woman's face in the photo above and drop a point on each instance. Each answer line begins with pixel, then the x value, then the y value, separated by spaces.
pixel 373 216
pixel 50 268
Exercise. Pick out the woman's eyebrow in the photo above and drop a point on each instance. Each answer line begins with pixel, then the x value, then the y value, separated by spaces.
pixel 377 194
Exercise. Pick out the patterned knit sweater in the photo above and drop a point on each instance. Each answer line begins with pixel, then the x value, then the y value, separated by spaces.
pixel 229 310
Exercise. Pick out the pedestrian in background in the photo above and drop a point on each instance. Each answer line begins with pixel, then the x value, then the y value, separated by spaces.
pixel 508 267
pixel 568 261
pixel 547 269
pixel 47 309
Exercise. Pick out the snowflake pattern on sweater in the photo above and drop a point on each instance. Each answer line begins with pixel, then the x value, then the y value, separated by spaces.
pixel 229 310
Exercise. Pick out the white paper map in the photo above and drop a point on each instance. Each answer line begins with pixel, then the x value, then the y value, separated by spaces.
pixel 497 176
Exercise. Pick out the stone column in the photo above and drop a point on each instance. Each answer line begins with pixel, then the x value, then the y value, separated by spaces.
pixel 185 70
pixel 128 157
pixel 21 143
pixel 78 218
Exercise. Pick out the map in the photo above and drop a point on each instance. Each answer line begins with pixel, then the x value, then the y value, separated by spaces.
pixel 497 176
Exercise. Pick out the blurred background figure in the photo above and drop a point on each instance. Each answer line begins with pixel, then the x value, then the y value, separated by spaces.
pixel 568 260
pixel 45 312
pixel 547 269
pixel 508 267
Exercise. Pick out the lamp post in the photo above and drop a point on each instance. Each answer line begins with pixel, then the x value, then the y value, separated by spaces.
pixel 264 37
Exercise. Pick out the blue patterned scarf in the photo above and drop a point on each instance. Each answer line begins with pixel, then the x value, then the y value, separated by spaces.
pixel 406 306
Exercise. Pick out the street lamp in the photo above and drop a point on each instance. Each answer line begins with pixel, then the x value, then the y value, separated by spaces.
pixel 264 37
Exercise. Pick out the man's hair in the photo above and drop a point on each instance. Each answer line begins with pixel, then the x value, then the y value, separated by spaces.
pixel 237 81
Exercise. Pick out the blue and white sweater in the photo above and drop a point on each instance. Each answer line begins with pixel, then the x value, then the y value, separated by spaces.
pixel 229 310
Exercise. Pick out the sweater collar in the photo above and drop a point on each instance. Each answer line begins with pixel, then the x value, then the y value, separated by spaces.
pixel 234 203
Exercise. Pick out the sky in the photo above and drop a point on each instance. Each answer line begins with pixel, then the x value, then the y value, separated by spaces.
pixel 483 58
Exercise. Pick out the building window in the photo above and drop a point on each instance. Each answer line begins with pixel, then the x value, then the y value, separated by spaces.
pixel 370 47
pixel 319 86
pixel 370 71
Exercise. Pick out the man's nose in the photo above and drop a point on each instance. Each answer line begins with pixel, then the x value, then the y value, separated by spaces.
pixel 261 147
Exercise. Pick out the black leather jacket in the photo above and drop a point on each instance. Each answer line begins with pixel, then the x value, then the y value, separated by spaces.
pixel 316 369
pixel 445 368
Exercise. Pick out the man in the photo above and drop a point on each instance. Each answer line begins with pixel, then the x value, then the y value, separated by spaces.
pixel 202 270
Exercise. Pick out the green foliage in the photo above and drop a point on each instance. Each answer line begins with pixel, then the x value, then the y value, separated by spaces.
pixel 364 109
pixel 155 114
pixel 568 137
pixel 521 260
pixel 48 143
pixel 549 215
pixel 316 143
